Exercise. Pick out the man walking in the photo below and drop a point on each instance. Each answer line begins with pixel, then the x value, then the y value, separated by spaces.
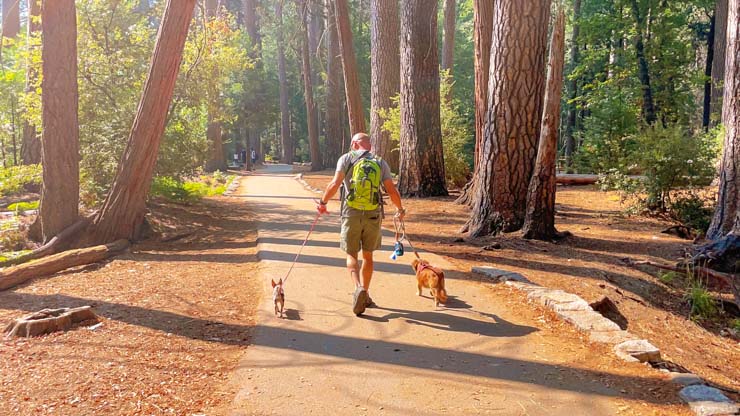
pixel 360 174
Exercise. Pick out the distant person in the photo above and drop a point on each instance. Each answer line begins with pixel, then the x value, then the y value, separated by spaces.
pixel 253 156
pixel 361 175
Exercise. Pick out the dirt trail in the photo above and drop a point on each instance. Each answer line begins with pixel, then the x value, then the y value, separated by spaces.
pixel 482 354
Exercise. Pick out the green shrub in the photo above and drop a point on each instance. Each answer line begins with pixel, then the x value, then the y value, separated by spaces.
pixel 692 211
pixel 190 191
pixel 703 305
pixel 23 206
pixel 15 179
pixel 668 277
pixel 170 188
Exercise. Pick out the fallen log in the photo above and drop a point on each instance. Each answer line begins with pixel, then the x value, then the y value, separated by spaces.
pixel 576 179
pixel 724 279
pixel 55 245
pixel 13 276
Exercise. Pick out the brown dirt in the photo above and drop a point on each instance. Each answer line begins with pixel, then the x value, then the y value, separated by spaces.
pixel 176 317
pixel 589 264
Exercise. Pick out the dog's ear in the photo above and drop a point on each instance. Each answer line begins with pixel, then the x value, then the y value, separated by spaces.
pixel 273 283
pixel 415 263
pixel 280 282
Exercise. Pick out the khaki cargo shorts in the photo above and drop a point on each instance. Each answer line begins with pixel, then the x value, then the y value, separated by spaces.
pixel 360 232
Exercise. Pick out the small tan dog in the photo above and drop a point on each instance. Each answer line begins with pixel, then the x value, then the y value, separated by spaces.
pixel 278 297
pixel 431 277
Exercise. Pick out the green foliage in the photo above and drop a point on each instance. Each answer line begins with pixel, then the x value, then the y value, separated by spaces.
pixel 190 190
pixel 456 134
pixel 692 211
pixel 12 236
pixel 16 179
pixel 703 305
pixel 735 324
pixel 23 206
pixel 668 277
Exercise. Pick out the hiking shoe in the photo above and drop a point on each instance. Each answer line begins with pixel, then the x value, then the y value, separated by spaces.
pixel 360 301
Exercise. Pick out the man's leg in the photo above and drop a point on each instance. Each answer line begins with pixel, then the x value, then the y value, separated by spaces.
pixel 367 269
pixel 354 269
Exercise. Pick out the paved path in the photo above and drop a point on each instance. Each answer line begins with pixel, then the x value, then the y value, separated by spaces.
pixel 405 357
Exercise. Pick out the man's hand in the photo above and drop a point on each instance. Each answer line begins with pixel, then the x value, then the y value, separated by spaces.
pixel 321 207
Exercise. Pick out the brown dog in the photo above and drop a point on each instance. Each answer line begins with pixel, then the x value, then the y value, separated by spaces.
pixel 278 297
pixel 431 277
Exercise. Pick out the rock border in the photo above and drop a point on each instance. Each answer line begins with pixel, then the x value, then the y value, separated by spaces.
pixel 233 186
pixel 299 178
pixel 701 398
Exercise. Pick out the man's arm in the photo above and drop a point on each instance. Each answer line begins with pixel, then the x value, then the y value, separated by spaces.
pixel 395 197
pixel 333 187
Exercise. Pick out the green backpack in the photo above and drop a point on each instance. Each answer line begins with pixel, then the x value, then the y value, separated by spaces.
pixel 364 184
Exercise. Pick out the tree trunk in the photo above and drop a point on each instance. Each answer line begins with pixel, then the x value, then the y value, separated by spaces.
pixel 11 18
pixel 285 139
pixel 251 22
pixel 422 161
pixel 512 128
pixel 643 70
pixel 334 95
pixel 448 45
pixel 252 25
pixel 718 63
pixel 539 222
pixel 385 27
pixel 727 214
pixel 351 81
pixel 570 127
pixel 482 32
pixel 31 144
pixel 707 104
pixel 122 213
pixel 60 192
pixel 214 129
pixel 311 113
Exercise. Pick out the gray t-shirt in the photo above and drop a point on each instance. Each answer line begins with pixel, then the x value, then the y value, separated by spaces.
pixel 343 165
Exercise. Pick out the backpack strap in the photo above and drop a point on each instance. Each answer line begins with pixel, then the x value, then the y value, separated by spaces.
pixel 342 188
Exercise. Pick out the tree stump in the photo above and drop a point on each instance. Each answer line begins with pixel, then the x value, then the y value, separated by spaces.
pixel 47 321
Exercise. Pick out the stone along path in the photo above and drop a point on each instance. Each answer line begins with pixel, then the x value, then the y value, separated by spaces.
pixel 406 357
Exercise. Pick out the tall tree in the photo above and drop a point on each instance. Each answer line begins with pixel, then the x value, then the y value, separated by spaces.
pixel 422 161
pixel 707 108
pixel 31 145
pixel 718 62
pixel 285 139
pixel 727 214
pixel 334 82
pixel 512 128
pixel 214 129
pixel 575 48
pixel 311 112
pixel 11 18
pixel 643 69
pixel 123 210
pixel 539 222
pixel 448 45
pixel 482 33
pixel 355 111
pixel 61 149
pixel 385 29
pixel 253 128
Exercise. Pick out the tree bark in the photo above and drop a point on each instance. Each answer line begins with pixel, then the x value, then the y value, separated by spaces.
pixel 31 144
pixel 285 139
pixel 727 214
pixel 251 22
pixel 355 111
pixel 422 161
pixel 385 27
pixel 718 63
pixel 707 104
pixel 570 127
pixel 512 128
pixel 60 192
pixel 482 32
pixel 334 93
pixel 11 24
pixel 448 45
pixel 214 129
pixel 122 213
pixel 252 25
pixel 643 69
pixel 539 222
pixel 311 112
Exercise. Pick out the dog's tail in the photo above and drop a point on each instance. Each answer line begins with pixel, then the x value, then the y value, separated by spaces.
pixel 442 295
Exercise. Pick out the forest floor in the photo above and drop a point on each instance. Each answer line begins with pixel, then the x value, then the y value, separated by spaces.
pixel 175 317
pixel 589 265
